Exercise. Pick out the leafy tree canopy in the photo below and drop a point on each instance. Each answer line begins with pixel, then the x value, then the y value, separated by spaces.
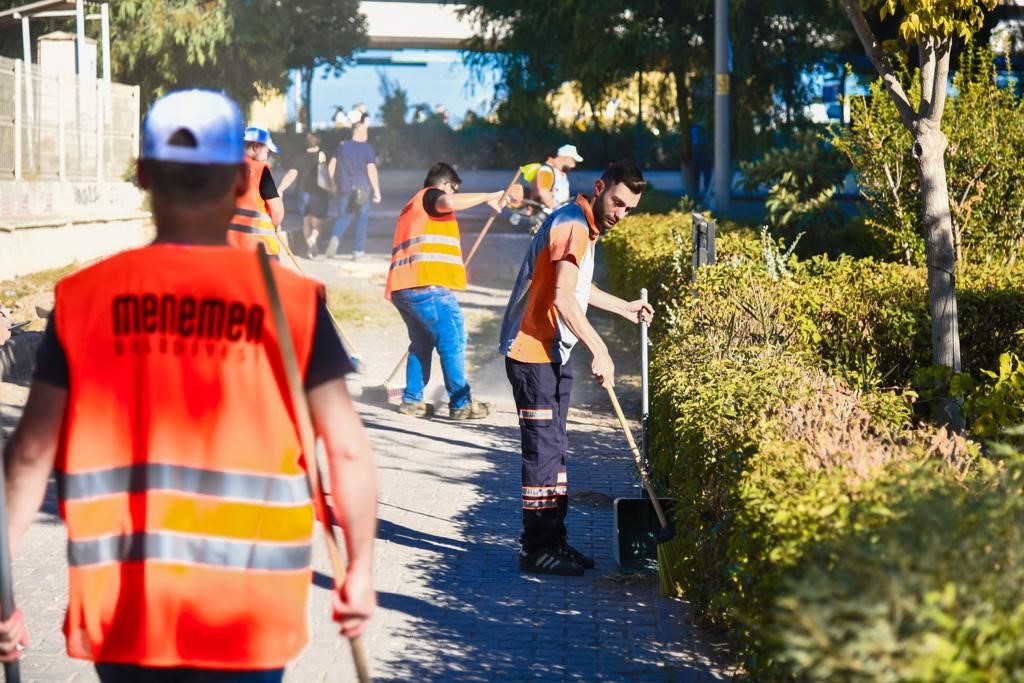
pixel 244 47
pixel 538 45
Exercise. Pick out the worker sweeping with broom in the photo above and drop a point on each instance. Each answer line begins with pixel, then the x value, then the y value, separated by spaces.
pixel 160 402
pixel 426 268
pixel 545 317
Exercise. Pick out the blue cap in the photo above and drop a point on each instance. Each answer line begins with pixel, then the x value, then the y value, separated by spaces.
pixel 262 136
pixel 212 118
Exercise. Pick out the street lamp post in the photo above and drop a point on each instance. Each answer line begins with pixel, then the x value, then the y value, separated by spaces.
pixel 723 160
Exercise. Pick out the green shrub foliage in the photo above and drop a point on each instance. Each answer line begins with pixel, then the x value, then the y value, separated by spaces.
pixel 984 126
pixel 801 180
pixel 834 537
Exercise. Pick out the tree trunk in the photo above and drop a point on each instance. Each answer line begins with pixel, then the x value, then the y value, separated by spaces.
pixel 687 166
pixel 929 150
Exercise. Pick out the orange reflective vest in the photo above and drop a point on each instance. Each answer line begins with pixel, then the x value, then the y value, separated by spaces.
pixel 426 250
pixel 251 223
pixel 179 472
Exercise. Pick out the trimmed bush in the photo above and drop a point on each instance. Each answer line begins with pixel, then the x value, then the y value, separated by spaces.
pixel 796 477
pixel 867 320
pixel 764 453
pixel 933 595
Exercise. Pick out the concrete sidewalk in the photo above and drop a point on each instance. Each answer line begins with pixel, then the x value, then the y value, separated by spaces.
pixel 453 604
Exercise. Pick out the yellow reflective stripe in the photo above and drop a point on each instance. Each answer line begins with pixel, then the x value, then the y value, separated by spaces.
pixel 188 513
pixel 443 228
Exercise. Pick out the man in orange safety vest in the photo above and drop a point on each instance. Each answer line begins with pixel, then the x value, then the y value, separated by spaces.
pixel 158 403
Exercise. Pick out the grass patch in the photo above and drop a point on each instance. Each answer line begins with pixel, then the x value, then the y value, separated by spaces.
pixel 43 281
pixel 357 307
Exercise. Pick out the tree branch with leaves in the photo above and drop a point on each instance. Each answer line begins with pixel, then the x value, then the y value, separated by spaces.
pixel 931 26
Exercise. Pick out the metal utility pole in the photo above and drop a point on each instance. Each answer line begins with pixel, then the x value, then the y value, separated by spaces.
pixel 80 37
pixel 723 157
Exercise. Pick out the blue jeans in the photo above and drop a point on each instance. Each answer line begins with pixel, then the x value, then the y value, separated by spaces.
pixel 130 673
pixel 361 219
pixel 434 320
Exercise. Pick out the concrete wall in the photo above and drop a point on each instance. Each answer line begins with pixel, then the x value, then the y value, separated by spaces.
pixel 49 224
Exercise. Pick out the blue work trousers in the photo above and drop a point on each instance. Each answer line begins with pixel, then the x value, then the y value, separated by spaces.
pixel 434 320
pixel 541 392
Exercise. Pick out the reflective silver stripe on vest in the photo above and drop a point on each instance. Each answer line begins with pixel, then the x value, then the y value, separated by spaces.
pixel 441 258
pixel 183 548
pixel 430 239
pixel 251 230
pixel 281 489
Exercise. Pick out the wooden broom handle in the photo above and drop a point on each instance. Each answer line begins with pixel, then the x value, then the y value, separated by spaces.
pixel 662 519
pixel 307 439
pixel 494 214
pixel 341 332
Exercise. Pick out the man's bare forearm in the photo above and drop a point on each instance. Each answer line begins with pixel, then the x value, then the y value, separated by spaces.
pixel 371 173
pixel 352 472
pixel 276 206
pixel 570 312
pixel 29 457
pixel 607 302
pixel 546 198
pixel 460 201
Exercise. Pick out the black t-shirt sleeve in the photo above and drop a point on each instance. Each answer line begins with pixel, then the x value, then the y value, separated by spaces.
pixel 430 203
pixel 268 188
pixel 328 359
pixel 51 362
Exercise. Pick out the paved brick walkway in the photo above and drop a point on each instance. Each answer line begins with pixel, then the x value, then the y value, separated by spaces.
pixel 454 606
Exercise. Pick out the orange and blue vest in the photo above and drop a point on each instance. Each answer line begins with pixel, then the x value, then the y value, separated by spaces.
pixel 180 472
pixel 251 223
pixel 426 250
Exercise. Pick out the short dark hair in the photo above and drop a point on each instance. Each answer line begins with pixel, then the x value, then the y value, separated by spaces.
pixel 191 184
pixel 441 173
pixel 627 172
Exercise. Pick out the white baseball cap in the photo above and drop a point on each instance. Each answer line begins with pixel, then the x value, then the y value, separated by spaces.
pixel 212 119
pixel 569 151
pixel 262 136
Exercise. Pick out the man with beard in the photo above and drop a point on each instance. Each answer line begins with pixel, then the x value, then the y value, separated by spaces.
pixel 545 317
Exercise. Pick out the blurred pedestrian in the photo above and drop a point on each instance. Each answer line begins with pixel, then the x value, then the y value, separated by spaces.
pixel 314 191
pixel 354 170
pixel 550 185
pixel 341 119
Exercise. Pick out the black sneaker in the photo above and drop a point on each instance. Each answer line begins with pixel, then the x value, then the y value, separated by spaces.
pixel 547 561
pixel 585 561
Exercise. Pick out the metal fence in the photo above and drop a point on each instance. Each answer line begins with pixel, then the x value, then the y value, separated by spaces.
pixel 66 127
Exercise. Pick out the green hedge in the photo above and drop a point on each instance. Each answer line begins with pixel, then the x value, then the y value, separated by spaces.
pixel 867 320
pixel 933 595
pixel 796 476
